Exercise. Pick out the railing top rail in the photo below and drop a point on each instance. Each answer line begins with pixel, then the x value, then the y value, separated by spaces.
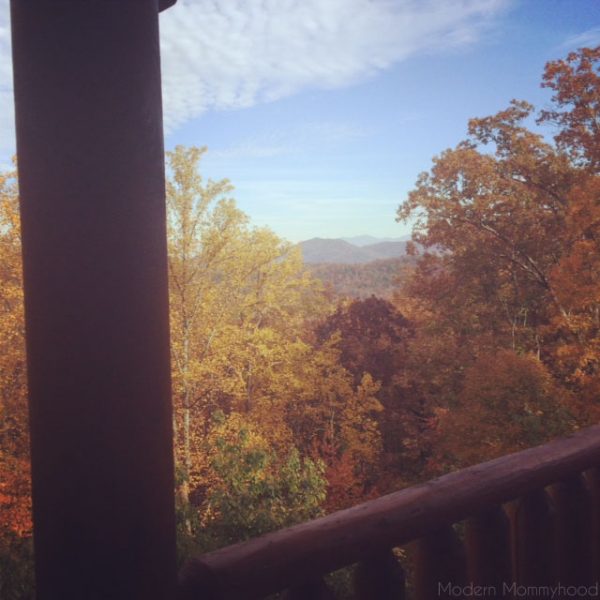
pixel 290 556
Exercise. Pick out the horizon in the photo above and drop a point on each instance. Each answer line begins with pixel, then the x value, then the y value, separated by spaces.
pixel 323 123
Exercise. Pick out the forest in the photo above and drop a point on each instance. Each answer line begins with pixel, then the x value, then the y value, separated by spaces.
pixel 380 278
pixel 289 403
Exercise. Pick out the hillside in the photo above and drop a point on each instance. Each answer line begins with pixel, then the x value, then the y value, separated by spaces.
pixel 339 251
pixel 379 278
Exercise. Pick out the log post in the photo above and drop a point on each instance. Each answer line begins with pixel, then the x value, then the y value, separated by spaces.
pixel 535 540
pixel 440 565
pixel 380 577
pixel 592 477
pixel 91 176
pixel 487 540
pixel 574 527
pixel 316 589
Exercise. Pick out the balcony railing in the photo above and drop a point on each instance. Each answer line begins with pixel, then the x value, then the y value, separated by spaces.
pixel 524 525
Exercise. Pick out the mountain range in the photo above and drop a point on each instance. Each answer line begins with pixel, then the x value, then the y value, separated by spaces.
pixel 356 250
pixel 369 240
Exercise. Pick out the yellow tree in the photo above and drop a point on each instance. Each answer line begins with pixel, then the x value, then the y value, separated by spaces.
pixel 231 287
pixel 202 223
pixel 241 306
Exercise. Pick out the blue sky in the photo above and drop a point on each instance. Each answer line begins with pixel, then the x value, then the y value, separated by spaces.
pixel 323 112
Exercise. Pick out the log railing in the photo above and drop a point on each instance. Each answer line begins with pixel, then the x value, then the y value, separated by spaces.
pixel 519 526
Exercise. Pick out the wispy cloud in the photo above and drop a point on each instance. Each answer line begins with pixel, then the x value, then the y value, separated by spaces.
pixel 220 55
pixel 588 38
pixel 321 134
pixel 234 54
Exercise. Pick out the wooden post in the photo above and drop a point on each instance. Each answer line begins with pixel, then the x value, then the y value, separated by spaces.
pixel 312 590
pixel 380 577
pixel 592 477
pixel 488 550
pixel 574 517
pixel 440 566
pixel 91 176
pixel 535 540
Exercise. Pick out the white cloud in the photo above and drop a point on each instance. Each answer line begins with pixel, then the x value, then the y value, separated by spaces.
pixel 227 54
pixel 224 55
pixel 589 38
pixel 7 113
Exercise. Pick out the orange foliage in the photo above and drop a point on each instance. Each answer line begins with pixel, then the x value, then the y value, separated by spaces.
pixel 15 494
pixel 508 403
pixel 15 497
pixel 345 487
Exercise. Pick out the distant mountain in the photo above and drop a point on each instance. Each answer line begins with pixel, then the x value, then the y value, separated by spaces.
pixel 368 240
pixel 339 251
pixel 320 250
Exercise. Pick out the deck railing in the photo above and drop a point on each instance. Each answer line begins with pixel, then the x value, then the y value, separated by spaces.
pixel 524 525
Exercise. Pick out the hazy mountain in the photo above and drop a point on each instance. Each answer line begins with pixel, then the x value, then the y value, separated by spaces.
pixel 388 249
pixel 339 251
pixel 320 250
pixel 368 240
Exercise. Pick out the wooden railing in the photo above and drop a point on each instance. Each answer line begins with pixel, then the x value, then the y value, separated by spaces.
pixel 519 526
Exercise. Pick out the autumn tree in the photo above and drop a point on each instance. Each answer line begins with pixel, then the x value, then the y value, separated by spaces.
pixel 202 223
pixel 510 231
pixel 16 574
pixel 575 113
pixel 236 294
pixel 372 337
pixel 509 402
pixel 241 302
pixel 497 221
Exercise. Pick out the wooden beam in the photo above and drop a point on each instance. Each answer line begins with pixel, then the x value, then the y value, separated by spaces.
pixel 91 177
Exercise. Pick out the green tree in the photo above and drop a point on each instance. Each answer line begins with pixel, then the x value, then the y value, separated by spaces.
pixel 255 490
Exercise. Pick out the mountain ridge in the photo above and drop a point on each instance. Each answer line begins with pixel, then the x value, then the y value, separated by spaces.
pixel 369 240
pixel 342 251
